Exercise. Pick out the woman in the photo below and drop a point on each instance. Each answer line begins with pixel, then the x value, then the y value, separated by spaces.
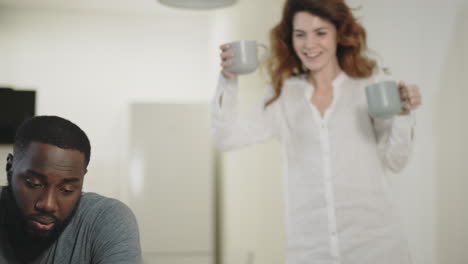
pixel 337 206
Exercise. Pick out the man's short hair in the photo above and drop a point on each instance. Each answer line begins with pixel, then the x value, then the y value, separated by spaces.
pixel 52 130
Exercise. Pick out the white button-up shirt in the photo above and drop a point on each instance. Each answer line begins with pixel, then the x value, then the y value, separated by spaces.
pixel 338 209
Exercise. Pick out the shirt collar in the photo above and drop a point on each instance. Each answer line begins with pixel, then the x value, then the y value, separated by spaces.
pixel 336 83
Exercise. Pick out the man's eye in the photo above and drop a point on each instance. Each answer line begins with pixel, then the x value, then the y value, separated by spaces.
pixel 322 33
pixel 33 184
pixel 67 190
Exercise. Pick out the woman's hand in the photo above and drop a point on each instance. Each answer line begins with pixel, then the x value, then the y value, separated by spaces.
pixel 410 97
pixel 225 60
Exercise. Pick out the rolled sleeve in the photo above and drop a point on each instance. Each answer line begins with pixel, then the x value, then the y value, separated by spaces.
pixel 395 138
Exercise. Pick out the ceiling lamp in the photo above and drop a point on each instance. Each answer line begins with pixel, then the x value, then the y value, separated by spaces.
pixel 198 4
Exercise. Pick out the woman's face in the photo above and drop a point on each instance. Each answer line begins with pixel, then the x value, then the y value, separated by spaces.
pixel 315 42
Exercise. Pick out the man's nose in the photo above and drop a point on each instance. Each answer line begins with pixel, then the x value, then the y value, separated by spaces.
pixel 47 201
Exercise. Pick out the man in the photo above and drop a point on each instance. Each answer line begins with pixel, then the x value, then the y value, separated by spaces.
pixel 44 216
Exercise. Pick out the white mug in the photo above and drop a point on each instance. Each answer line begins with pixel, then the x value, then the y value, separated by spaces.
pixel 383 99
pixel 245 58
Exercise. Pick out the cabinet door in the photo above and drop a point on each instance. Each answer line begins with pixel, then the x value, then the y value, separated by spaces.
pixel 171 182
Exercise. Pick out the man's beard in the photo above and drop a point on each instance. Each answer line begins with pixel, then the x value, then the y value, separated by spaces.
pixel 20 221
pixel 59 225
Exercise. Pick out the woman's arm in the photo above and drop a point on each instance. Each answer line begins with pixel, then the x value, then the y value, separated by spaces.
pixel 395 138
pixel 233 129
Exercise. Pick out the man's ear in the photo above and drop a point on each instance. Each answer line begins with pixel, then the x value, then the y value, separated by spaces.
pixel 9 166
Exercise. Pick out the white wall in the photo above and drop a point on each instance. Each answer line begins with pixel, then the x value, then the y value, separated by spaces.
pixel 90 65
pixel 93 64
pixel 451 127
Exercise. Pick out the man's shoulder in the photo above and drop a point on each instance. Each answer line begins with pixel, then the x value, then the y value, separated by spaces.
pixel 99 209
pixel 94 200
pixel 102 230
pixel 107 225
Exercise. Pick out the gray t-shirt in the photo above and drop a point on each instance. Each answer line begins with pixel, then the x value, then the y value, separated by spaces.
pixel 103 230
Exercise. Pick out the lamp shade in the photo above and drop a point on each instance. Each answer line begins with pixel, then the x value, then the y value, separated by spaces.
pixel 197 4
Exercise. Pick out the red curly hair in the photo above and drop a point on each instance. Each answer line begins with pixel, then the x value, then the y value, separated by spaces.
pixel 351 37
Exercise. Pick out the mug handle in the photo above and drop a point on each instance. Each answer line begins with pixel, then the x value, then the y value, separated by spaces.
pixel 265 55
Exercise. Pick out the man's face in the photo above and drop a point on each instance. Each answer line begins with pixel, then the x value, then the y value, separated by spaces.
pixel 46 182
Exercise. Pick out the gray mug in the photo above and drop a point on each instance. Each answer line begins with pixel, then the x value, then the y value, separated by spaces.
pixel 383 99
pixel 245 58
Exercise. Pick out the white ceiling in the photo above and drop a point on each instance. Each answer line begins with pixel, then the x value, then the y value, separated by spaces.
pixel 92 5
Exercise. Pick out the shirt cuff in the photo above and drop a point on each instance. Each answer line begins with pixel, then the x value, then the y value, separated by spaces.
pixel 225 99
pixel 403 125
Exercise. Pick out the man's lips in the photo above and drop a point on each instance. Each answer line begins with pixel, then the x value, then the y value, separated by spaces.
pixel 43 223
pixel 42 227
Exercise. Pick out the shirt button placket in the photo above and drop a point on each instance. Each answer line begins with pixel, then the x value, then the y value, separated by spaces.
pixel 329 193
